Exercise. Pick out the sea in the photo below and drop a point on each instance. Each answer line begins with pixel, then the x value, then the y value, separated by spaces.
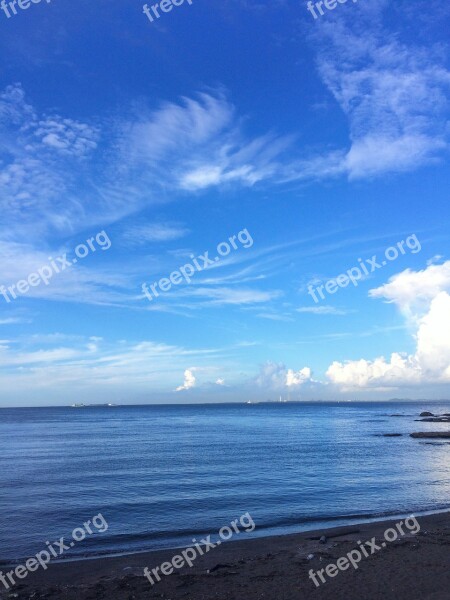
pixel 162 475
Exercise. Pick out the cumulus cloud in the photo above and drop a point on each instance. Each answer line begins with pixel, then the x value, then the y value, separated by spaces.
pixel 412 291
pixel 295 378
pixel 189 381
pixel 423 298
pixel 275 376
pixel 378 373
pixel 433 339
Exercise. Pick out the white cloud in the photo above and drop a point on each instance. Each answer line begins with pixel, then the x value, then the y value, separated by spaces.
pixel 394 105
pixel 12 320
pixel 202 177
pixel 412 291
pixel 139 235
pixel 433 338
pixel 377 374
pixel 46 185
pixel 275 317
pixel 189 381
pixel 67 136
pixel 204 140
pixel 41 164
pixel 394 96
pixel 423 299
pixel 295 378
pixel 321 310
pixel 49 366
pixel 434 259
pixel 232 296
pixel 275 376
pixel 79 283
pixel 200 141
pixel 177 127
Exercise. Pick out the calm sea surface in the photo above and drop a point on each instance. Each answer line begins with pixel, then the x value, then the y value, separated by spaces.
pixel 163 474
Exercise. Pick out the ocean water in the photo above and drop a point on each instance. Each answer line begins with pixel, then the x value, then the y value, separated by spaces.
pixel 163 474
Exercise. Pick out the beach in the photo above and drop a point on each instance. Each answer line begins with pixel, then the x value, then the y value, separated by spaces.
pixel 414 567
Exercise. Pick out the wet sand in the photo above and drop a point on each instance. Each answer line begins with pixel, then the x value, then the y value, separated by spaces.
pixel 415 567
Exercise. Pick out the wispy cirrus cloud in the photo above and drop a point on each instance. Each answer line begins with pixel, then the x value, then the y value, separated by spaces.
pixel 140 235
pixel 321 310
pixel 48 364
pixel 59 175
pixel 393 94
pixel 206 144
pixel 13 321
pixel 231 296
pixel 275 316
pixel 394 97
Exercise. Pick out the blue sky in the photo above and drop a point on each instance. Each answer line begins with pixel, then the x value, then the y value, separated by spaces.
pixel 326 140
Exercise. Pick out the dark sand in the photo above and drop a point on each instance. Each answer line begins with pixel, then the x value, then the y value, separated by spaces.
pixel 416 567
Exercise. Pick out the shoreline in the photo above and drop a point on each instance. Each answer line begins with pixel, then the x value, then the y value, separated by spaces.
pixel 344 522
pixel 252 567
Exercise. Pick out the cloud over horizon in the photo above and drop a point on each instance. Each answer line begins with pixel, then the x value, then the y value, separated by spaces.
pixel 423 298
